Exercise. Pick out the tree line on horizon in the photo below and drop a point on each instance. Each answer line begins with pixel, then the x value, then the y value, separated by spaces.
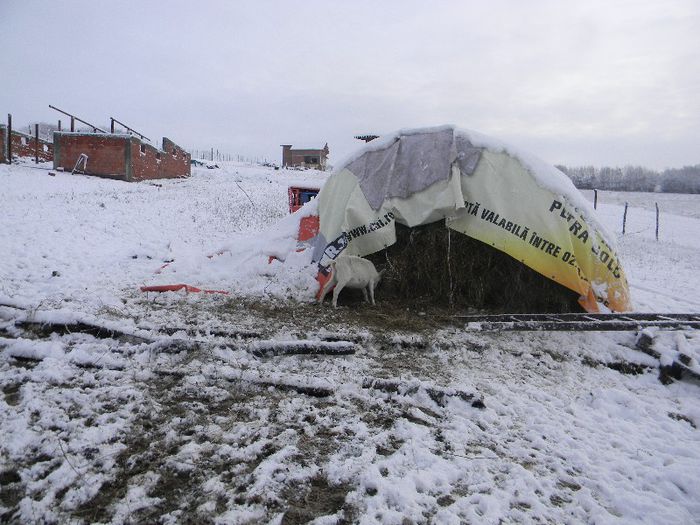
pixel 635 178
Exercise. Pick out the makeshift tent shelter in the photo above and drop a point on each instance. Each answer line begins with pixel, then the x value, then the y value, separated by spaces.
pixel 481 188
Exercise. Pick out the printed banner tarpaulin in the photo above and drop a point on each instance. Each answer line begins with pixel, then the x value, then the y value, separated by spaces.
pixel 481 188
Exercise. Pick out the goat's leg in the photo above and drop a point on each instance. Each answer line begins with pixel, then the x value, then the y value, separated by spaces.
pixel 326 288
pixel 336 293
pixel 372 284
pixel 364 293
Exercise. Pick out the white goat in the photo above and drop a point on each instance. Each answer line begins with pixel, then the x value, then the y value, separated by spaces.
pixel 350 271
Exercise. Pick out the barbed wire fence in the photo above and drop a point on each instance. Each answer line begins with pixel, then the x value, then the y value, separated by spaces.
pixel 215 155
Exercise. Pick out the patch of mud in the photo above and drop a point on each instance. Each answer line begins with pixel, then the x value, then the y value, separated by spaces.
pixel 11 492
pixel 319 499
pixel 351 313
pixel 11 393
pixel 624 367
pixel 223 472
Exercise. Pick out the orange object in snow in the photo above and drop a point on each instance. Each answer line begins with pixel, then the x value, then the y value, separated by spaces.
pixel 308 228
pixel 176 287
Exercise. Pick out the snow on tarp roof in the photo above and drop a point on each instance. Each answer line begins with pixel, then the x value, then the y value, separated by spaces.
pixel 545 175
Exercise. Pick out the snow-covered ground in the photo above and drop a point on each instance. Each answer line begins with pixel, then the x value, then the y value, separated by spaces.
pixel 663 274
pixel 173 413
pixel 87 240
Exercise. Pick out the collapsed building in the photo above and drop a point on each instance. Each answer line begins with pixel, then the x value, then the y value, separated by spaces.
pixel 20 144
pixel 119 156
pixel 113 155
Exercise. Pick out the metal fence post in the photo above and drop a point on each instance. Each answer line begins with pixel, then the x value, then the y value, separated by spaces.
pixel 657 220
pixel 36 143
pixel 9 138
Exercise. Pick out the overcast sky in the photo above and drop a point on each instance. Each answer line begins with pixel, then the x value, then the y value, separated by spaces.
pixel 575 82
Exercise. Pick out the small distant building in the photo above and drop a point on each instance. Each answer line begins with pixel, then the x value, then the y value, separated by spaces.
pixel 120 156
pixel 24 145
pixel 304 158
pixel 366 138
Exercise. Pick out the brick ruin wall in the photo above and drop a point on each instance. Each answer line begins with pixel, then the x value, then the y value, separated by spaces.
pixel 120 156
pixel 150 163
pixel 107 153
pixel 24 145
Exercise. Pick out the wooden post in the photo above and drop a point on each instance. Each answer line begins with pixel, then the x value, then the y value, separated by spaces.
pixel 657 220
pixel 595 199
pixel 9 138
pixel 624 220
pixel 36 143
pixel 212 155
pixel 72 124
pixel 111 125
pixel 59 124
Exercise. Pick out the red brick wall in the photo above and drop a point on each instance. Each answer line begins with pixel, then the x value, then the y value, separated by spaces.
pixel 121 156
pixel 150 163
pixel 286 155
pixel 175 161
pixel 299 154
pixel 145 163
pixel 106 153
pixel 23 145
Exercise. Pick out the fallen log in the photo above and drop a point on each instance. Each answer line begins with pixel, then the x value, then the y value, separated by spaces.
pixel 301 347
pixel 16 307
pixel 43 329
pixel 578 322
pixel 194 332
pixel 353 338
pixel 77 363
pixel 438 394
pixel 304 386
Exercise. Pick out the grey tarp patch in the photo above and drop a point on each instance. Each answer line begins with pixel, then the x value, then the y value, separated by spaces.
pixel 411 164
pixel 467 155
pixel 373 171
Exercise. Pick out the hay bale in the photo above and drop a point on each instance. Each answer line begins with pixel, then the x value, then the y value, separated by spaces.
pixel 475 275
